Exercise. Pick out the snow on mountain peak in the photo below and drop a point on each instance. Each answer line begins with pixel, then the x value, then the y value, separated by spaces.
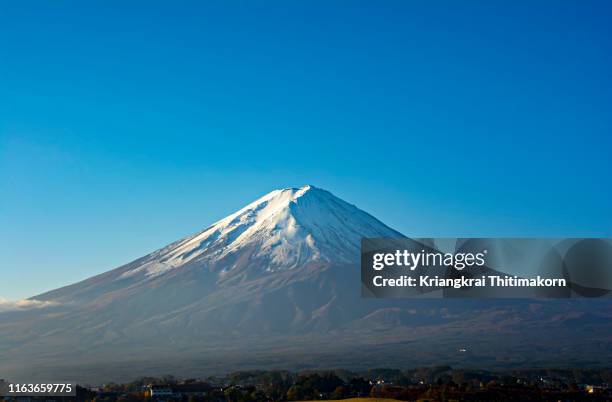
pixel 284 229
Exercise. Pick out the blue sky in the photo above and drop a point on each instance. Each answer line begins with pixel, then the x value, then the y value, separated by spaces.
pixel 127 125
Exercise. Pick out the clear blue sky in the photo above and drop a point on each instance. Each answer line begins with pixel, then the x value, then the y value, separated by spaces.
pixel 127 125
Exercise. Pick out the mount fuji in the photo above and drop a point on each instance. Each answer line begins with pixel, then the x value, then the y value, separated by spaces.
pixel 251 260
pixel 276 285
pixel 283 230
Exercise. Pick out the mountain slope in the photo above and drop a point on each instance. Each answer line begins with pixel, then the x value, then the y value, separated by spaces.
pixel 284 230
pixel 286 263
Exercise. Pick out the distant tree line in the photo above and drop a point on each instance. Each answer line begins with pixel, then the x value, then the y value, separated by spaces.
pixel 439 383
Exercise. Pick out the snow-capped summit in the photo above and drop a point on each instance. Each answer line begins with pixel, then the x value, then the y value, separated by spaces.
pixel 283 229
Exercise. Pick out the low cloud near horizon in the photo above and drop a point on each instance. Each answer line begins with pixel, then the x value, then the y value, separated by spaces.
pixel 24 304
